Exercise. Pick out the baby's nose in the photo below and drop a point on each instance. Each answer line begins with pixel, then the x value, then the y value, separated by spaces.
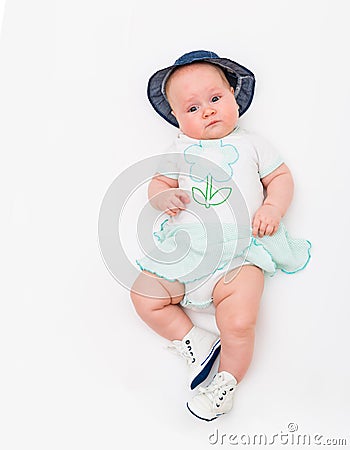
pixel 209 111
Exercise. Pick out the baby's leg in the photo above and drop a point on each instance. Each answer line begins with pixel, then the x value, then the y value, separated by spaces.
pixel 156 300
pixel 237 304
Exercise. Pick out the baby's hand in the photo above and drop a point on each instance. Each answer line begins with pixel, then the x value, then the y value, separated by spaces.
pixel 266 221
pixel 171 201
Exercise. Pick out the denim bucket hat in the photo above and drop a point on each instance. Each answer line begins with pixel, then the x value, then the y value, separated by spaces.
pixel 240 78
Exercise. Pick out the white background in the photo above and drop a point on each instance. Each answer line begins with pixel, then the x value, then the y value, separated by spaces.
pixel 79 370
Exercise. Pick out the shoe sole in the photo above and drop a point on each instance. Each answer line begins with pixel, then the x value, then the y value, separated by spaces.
pixel 209 361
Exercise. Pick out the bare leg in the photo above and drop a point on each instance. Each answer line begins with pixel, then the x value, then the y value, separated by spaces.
pixel 237 304
pixel 156 301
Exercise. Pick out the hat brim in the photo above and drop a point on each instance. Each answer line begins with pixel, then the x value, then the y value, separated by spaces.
pixel 240 78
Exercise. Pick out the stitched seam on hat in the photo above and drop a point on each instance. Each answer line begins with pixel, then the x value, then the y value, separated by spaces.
pixel 238 86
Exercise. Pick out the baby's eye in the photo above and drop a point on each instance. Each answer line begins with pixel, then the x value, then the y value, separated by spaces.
pixel 193 109
pixel 215 99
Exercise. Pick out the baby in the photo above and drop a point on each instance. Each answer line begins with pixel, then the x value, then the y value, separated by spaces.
pixel 204 95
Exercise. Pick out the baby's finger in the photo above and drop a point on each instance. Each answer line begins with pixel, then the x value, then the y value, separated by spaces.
pixel 275 228
pixel 262 229
pixel 269 230
pixel 175 208
pixel 177 203
pixel 172 212
pixel 185 198
pixel 256 224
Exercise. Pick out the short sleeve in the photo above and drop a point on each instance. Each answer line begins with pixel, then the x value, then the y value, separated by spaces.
pixel 169 164
pixel 268 156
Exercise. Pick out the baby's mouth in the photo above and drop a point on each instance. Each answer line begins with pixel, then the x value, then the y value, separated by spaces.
pixel 213 122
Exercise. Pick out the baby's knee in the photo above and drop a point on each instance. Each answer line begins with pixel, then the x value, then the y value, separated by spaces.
pixel 239 325
pixel 237 315
pixel 242 326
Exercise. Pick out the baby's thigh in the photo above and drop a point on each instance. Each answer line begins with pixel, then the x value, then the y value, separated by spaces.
pixel 242 288
pixel 150 285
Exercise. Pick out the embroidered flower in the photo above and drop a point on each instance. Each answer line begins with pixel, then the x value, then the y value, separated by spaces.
pixel 211 160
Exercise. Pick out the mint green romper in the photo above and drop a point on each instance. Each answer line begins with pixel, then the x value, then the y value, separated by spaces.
pixel 214 235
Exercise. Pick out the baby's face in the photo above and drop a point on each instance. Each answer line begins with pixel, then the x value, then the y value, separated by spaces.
pixel 202 101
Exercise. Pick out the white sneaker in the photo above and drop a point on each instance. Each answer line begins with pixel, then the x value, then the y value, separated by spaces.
pixel 214 400
pixel 199 348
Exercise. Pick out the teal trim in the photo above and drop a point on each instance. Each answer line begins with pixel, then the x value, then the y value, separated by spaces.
pixel 155 273
pixel 259 244
pixel 271 168
pixel 161 229
pixel 172 175
pixel 307 262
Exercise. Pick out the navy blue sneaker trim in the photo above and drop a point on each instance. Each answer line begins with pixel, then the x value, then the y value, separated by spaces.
pixel 202 418
pixel 206 369
pixel 217 343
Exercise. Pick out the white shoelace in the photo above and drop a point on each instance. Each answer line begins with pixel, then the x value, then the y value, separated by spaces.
pixel 217 390
pixel 182 350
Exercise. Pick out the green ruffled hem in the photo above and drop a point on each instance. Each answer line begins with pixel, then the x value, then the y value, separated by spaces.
pixel 270 253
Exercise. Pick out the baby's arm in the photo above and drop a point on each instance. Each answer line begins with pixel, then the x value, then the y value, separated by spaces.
pixel 279 193
pixel 165 195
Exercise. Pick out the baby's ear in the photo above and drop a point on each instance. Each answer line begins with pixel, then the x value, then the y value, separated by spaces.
pixel 232 90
